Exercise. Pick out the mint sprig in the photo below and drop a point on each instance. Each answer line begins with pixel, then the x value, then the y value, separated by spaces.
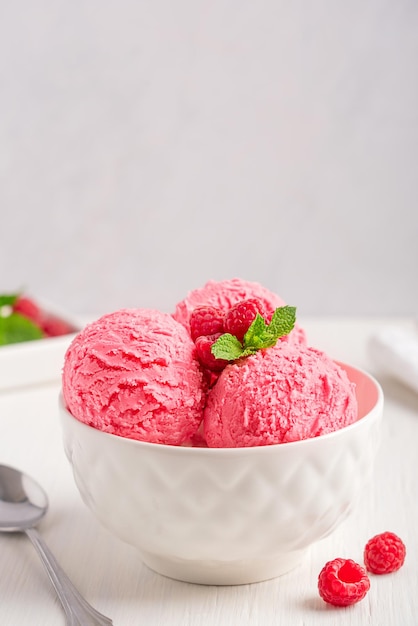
pixel 259 336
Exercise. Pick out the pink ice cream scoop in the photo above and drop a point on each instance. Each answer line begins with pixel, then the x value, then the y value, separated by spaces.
pixel 282 394
pixel 134 373
pixel 224 294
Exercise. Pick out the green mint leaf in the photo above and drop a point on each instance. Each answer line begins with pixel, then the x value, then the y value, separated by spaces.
pixel 260 336
pixel 8 299
pixel 249 351
pixel 255 333
pixel 283 321
pixel 227 347
pixel 16 328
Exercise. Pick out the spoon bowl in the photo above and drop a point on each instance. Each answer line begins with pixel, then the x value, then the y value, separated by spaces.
pixel 23 503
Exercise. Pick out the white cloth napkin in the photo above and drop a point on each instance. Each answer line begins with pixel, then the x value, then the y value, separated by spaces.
pixel 394 350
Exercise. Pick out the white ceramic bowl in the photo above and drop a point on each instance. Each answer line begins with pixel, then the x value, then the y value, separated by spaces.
pixel 225 516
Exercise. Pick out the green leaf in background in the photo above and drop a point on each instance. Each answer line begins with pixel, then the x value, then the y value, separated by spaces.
pixel 16 328
pixel 8 299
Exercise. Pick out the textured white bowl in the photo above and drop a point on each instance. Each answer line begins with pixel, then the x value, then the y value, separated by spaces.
pixel 225 516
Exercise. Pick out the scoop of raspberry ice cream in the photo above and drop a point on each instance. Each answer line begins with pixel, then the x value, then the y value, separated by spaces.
pixel 282 394
pixel 134 373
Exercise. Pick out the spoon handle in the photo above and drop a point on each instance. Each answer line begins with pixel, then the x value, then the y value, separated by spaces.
pixel 77 610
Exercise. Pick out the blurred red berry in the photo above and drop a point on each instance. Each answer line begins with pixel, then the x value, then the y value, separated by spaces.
pixel 27 307
pixel 54 326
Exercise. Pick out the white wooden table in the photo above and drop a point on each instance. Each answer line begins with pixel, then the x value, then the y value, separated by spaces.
pixel 111 576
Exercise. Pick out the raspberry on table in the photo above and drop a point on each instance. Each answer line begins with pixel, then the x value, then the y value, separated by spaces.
pixel 206 320
pixel 204 354
pixel 240 316
pixel 342 582
pixel 384 553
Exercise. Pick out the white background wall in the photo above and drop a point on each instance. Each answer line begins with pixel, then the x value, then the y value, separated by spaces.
pixel 147 146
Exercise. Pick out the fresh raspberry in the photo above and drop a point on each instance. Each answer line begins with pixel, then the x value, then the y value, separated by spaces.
pixel 206 320
pixel 207 359
pixel 240 316
pixel 384 553
pixel 342 582
pixel 27 307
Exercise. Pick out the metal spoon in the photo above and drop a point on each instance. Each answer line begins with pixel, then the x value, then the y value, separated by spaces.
pixel 23 503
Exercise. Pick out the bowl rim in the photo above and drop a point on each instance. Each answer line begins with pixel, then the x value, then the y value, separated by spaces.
pixel 374 413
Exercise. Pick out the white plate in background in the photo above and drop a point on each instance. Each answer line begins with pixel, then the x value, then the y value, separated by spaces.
pixel 37 361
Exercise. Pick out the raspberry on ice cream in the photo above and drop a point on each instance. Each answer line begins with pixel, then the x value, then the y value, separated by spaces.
pixel 240 316
pixel 204 353
pixel 134 373
pixel 225 294
pixel 206 320
pixel 282 394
